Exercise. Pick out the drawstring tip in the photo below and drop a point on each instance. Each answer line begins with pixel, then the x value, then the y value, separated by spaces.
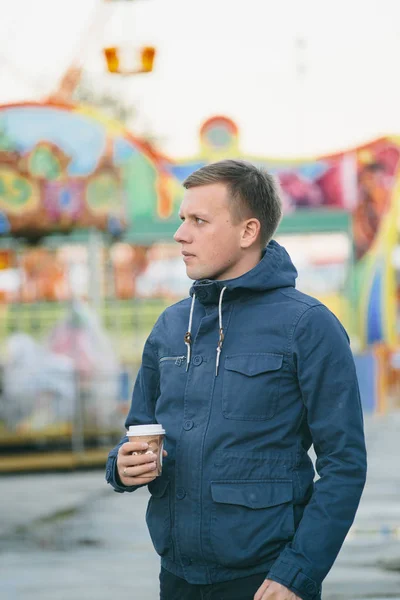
pixel 187 355
pixel 217 362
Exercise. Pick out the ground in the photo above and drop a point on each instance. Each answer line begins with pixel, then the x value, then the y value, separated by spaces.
pixel 68 536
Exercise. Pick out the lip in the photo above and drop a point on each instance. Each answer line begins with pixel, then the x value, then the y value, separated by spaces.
pixel 186 255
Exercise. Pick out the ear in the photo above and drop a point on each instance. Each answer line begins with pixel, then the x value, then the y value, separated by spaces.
pixel 250 233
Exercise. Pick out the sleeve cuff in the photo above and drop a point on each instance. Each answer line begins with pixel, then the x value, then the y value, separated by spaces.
pixel 292 577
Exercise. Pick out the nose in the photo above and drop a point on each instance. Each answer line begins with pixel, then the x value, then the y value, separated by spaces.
pixel 182 235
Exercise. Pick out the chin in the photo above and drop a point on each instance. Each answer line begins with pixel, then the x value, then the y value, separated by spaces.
pixel 192 274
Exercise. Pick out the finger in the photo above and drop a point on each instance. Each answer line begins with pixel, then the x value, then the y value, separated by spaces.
pixel 129 481
pixel 129 447
pixel 165 453
pixel 139 480
pixel 263 588
pixel 268 595
pixel 144 480
pixel 139 470
pixel 133 460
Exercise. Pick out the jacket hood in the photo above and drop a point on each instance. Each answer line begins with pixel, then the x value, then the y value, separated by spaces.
pixel 275 270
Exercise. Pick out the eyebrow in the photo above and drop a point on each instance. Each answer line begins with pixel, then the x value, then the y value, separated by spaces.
pixel 193 216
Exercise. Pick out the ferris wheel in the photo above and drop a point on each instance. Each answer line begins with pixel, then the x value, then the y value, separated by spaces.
pixel 122 59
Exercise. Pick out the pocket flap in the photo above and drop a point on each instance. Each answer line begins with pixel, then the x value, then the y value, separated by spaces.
pixel 158 486
pixel 253 364
pixel 253 494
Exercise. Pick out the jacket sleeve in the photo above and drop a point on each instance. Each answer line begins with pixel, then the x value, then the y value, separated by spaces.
pixel 327 378
pixel 142 411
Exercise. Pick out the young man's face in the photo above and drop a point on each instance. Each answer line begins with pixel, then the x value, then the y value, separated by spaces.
pixel 210 239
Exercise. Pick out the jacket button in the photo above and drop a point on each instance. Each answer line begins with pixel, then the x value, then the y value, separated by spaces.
pixel 188 425
pixel 197 360
pixel 180 493
pixel 186 561
pixel 310 588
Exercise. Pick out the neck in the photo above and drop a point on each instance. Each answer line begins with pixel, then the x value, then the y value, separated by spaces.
pixel 248 262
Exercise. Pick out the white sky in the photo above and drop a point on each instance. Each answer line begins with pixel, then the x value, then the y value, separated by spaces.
pixel 232 57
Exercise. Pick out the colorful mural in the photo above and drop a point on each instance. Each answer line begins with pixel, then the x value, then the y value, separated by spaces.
pixel 63 168
pixel 362 182
pixel 358 180
pixel 374 286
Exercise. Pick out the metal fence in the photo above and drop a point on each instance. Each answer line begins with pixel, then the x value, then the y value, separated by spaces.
pixel 122 319
pixel 59 415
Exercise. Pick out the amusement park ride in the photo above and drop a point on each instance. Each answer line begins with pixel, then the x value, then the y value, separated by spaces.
pixel 121 59
pixel 39 176
pixel 66 168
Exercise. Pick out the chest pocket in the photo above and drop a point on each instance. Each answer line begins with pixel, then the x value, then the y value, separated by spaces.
pixel 250 389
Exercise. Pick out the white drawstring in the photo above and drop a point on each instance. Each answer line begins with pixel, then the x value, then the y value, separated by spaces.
pixel 188 334
pixel 221 331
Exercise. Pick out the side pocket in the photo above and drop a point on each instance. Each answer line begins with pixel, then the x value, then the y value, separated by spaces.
pixel 158 517
pixel 250 520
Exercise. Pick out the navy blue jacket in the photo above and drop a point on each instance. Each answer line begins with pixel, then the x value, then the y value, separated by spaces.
pixel 237 494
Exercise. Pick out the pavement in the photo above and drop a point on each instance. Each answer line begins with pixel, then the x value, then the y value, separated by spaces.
pixel 69 536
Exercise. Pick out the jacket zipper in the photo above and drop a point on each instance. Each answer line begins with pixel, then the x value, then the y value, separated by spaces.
pixel 178 359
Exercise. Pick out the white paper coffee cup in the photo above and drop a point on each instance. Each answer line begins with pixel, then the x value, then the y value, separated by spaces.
pixel 153 434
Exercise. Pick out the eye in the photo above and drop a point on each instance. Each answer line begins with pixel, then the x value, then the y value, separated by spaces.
pixel 199 221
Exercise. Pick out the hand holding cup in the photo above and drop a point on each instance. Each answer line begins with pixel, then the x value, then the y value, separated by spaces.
pixel 140 460
pixel 136 466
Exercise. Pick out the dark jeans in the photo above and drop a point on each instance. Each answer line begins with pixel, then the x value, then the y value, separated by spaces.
pixel 175 588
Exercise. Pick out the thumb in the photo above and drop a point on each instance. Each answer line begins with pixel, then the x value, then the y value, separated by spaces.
pixel 263 588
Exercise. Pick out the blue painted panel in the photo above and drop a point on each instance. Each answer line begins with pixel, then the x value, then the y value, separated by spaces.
pixel 366 373
pixel 375 309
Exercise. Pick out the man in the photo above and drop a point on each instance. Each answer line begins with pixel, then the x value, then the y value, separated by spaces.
pixel 244 376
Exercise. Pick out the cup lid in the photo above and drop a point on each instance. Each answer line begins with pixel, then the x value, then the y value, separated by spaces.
pixel 153 429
